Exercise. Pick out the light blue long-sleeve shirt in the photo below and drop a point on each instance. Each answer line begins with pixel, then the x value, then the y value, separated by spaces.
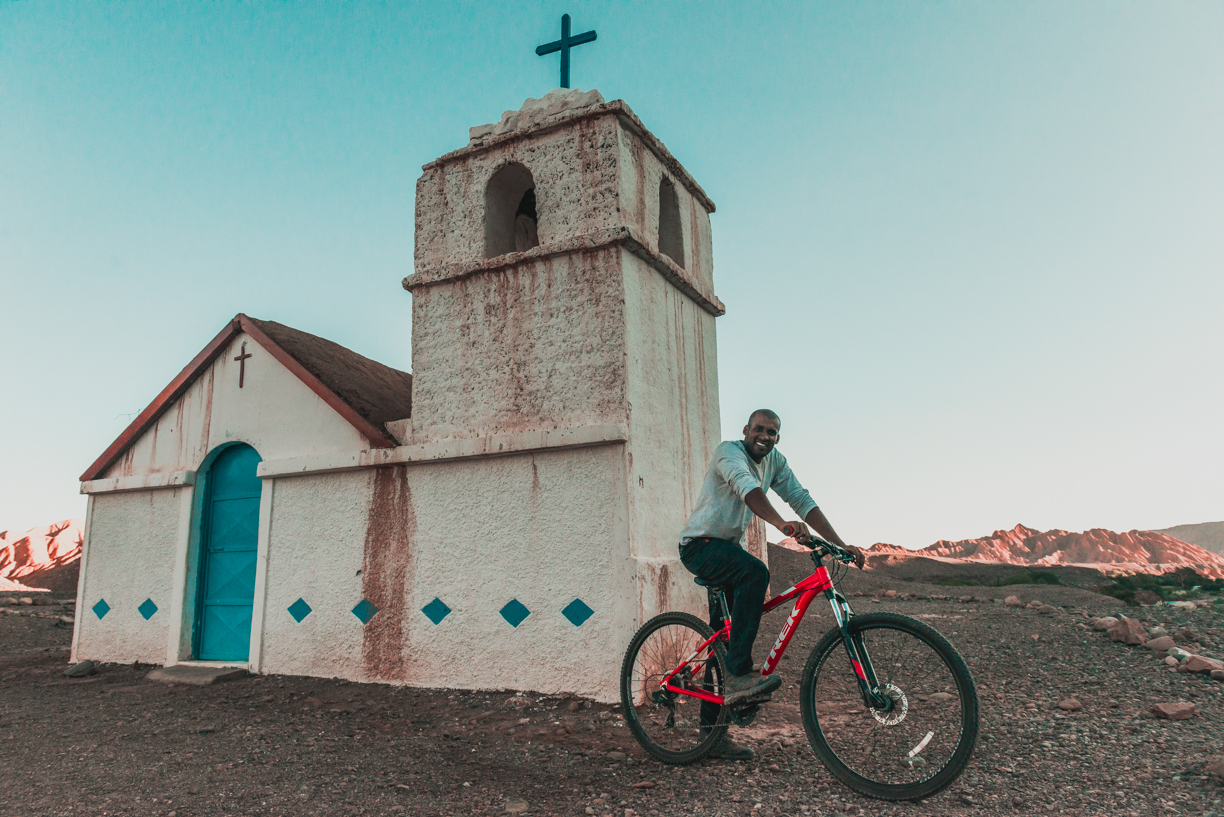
pixel 721 512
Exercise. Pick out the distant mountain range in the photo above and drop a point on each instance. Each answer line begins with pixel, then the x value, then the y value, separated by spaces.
pixel 1137 550
pixel 42 557
pixel 1208 535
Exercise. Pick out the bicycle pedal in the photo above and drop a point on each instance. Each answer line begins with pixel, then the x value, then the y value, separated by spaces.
pixel 745 715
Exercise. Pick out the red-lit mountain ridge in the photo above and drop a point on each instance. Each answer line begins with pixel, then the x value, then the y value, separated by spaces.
pixel 1145 551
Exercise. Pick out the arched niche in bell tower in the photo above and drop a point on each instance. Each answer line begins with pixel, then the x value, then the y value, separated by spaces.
pixel 510 211
pixel 671 236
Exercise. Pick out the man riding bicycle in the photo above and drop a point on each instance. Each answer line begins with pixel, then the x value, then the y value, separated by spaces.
pixel 712 547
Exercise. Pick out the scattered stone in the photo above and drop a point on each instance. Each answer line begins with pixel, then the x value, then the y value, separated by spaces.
pixel 574 706
pixel 1186 634
pixel 965 599
pixel 645 784
pixel 1171 661
pixel 516 805
pixel 1147 598
pixel 1070 705
pixel 616 757
pixel 1217 675
pixel 25 600
pixel 1128 631
pixel 205 730
pixel 1104 623
pixel 996 601
pixel 1179 653
pixel 940 697
pixel 890 594
pixel 1183 605
pixel 1175 711
pixel 1034 605
pixel 195 676
pixel 81 669
pixel 1013 601
pixel 1161 644
pixel 1215 769
pixel 1197 663
pixel 1157 632
pixel 1047 609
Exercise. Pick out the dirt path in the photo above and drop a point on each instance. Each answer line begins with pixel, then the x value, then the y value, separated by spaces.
pixel 117 744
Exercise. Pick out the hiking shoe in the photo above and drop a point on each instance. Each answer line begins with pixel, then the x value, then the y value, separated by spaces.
pixel 728 749
pixel 750 685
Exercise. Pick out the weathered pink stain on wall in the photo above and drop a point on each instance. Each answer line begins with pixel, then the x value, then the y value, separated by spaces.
pixel 386 573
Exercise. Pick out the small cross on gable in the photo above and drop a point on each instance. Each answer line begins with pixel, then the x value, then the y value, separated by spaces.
pixel 564 45
pixel 242 359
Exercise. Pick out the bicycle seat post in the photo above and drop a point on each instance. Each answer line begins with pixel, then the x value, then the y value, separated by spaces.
pixel 720 599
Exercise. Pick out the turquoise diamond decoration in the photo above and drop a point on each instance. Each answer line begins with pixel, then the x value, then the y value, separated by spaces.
pixel 515 612
pixel 435 611
pixel 577 612
pixel 299 610
pixel 147 608
pixel 101 608
pixel 365 611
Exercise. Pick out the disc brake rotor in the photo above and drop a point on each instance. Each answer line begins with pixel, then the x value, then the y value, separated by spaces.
pixel 896 714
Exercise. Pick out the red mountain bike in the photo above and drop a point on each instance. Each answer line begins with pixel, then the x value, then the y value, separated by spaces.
pixel 897 721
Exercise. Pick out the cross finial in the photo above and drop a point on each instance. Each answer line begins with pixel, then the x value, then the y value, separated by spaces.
pixel 563 45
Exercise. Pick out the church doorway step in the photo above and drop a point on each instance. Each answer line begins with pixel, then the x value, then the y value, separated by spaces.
pixel 229 541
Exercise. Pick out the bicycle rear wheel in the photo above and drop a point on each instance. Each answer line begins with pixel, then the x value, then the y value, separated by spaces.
pixel 668 724
pixel 922 741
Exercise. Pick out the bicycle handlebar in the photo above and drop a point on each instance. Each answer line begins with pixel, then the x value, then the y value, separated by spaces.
pixel 821 548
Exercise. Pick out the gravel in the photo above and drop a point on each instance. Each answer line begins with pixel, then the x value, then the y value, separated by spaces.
pixel 116 744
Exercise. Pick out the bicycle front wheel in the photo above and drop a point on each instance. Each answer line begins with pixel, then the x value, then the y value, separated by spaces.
pixel 672 726
pixel 920 742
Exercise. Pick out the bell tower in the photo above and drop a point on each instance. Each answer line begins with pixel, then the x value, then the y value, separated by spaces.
pixel 563 290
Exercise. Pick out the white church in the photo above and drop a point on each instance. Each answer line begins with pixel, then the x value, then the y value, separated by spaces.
pixel 505 516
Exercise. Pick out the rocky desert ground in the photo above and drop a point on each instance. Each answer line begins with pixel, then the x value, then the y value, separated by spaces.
pixel 116 743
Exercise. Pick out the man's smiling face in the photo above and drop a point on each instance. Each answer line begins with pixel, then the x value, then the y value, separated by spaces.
pixel 761 435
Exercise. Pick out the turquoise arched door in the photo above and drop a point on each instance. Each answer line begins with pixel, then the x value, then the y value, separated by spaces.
pixel 229 539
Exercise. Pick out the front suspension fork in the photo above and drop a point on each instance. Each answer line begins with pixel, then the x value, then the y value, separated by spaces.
pixel 856 650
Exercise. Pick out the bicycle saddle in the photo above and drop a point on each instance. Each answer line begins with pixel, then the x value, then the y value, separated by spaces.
pixel 702 582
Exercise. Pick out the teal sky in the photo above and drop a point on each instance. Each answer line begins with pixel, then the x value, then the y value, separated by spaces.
pixel 973 253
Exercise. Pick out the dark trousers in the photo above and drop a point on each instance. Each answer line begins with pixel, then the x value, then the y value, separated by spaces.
pixel 744 579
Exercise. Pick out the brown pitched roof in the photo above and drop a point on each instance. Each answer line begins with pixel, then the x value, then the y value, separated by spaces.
pixel 364 392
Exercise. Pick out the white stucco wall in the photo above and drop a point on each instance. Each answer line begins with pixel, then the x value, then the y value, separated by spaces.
pixel 274 412
pixel 543 528
pixel 131 548
pixel 540 345
pixel 674 427
pixel 315 550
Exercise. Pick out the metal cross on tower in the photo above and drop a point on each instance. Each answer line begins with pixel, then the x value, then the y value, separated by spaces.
pixel 564 45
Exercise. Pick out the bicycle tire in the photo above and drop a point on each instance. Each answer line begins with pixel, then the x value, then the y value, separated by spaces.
pixel 691 741
pixel 926 710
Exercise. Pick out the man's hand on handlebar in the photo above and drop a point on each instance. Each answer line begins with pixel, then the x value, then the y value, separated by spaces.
pixel 799 531
pixel 837 550
pixel 860 558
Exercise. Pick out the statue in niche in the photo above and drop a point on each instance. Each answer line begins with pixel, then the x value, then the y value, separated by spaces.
pixel 525 233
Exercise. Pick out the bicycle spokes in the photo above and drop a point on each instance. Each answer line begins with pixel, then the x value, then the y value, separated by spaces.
pixel 668 665
pixel 897 720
